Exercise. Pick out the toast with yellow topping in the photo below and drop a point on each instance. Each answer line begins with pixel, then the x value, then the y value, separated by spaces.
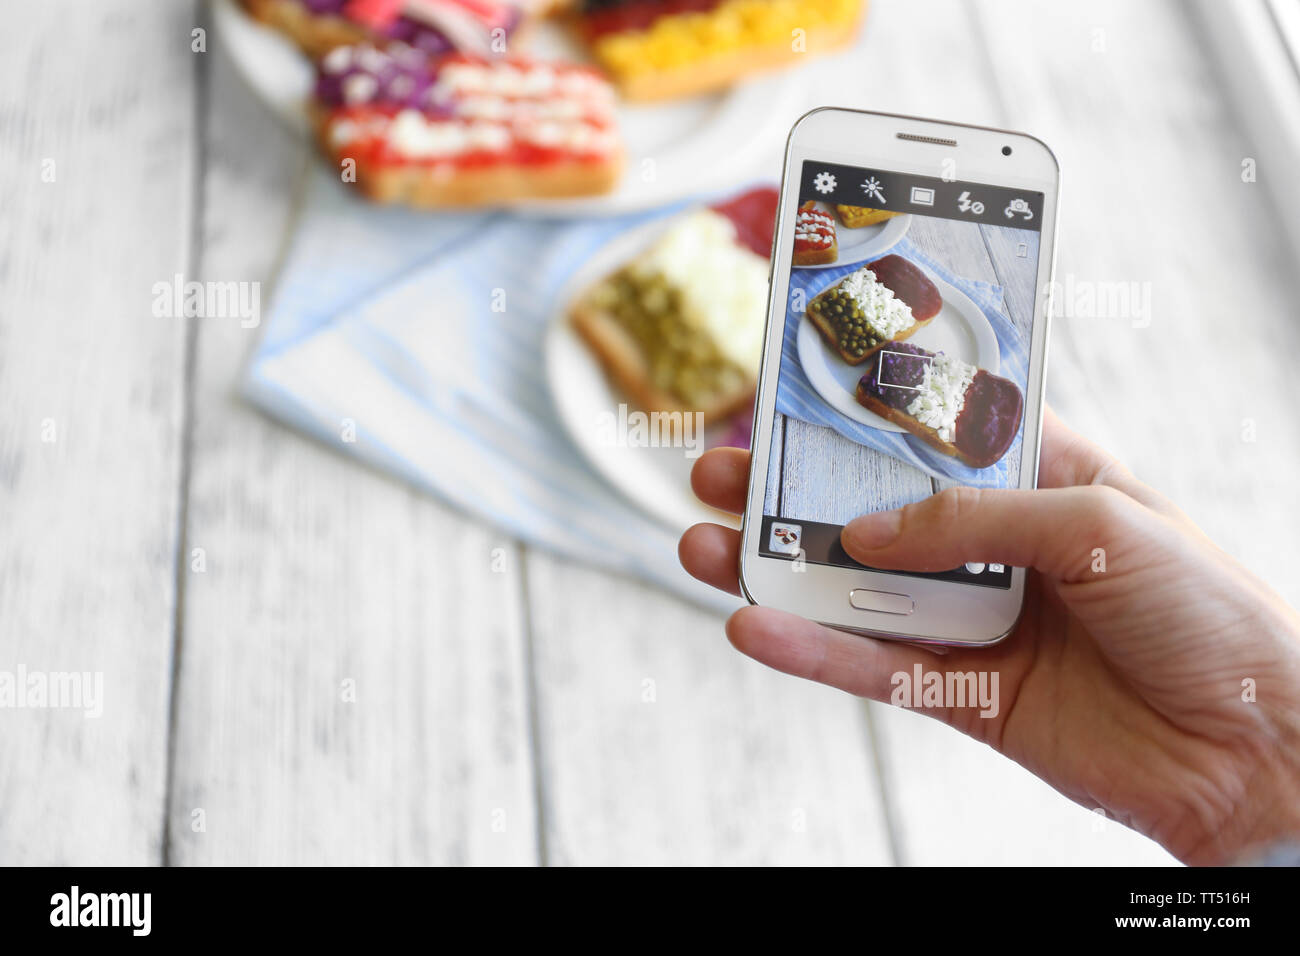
pixel 858 217
pixel 665 49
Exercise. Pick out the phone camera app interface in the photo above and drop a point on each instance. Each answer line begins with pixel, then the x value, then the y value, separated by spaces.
pixel 785 538
pixel 905 352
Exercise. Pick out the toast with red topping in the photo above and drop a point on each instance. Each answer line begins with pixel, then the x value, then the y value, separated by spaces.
pixel 435 27
pixel 463 130
pixel 815 243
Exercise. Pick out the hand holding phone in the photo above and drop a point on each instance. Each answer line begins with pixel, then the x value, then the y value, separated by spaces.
pixel 898 488
pixel 1122 683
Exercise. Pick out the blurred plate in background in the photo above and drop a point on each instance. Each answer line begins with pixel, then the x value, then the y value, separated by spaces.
pixel 674 149
pixel 658 480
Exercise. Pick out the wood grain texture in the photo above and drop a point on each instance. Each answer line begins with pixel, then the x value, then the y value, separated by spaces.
pixel 659 744
pixel 325 582
pixel 917 58
pixel 1195 394
pixel 91 397
pixel 956 802
pixel 1017 274
pixel 509 706
pixel 829 478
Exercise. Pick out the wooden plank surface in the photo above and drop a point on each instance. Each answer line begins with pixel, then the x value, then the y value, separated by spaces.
pixel 352 685
pixel 1197 394
pixel 829 478
pixel 956 802
pixel 511 707
pixel 659 744
pixel 96 161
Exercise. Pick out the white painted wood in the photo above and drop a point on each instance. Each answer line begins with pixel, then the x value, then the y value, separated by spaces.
pixel 1017 275
pixel 1151 151
pixel 88 518
pixel 918 58
pixel 1255 48
pixel 320 573
pixel 956 802
pixel 828 478
pixel 659 744
pixel 1134 127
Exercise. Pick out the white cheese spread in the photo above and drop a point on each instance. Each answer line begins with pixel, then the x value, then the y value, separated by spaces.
pixel 721 285
pixel 887 314
pixel 942 394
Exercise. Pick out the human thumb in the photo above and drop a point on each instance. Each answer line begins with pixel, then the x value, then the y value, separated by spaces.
pixel 1055 530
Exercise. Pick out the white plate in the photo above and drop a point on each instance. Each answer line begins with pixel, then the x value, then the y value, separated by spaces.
pixel 656 479
pixel 960 329
pixel 869 242
pixel 674 150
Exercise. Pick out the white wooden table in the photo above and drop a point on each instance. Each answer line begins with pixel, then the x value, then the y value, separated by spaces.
pixel 552 713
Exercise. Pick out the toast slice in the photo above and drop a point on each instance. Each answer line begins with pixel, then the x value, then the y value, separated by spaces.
pixel 679 328
pixel 858 217
pixel 657 51
pixel 888 300
pixel 318 28
pixel 315 35
pixel 815 243
pixel 629 366
pixel 954 407
pixel 462 131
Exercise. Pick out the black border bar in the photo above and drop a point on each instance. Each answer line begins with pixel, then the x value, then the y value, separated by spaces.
pixel 821 545
pixel 898 192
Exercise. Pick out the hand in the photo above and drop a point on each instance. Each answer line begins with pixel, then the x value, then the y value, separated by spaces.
pixel 1122 688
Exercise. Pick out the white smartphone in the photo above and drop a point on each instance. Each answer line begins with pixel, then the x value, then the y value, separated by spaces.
pixel 905 353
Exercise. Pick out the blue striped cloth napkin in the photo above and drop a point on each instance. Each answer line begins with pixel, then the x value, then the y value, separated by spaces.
pixel 383 342
pixel 797 398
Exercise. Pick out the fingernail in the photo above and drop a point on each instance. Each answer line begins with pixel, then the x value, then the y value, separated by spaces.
pixel 875 530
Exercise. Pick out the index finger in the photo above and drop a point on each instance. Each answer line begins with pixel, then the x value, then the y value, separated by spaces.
pixel 720 478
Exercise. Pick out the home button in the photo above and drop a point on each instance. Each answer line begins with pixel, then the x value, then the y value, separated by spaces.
pixel 885 601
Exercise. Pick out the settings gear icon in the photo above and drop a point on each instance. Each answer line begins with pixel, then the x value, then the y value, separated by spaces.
pixel 824 183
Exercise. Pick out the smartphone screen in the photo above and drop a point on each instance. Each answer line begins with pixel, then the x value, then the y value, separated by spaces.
pixel 904 355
